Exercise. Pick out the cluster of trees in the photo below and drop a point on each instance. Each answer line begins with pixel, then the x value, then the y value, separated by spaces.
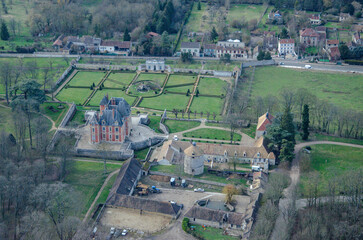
pixel 34 203
pixel 346 53
pixel 314 5
pixel 262 55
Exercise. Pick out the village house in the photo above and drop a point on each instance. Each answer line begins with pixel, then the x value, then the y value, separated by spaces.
pixel 343 17
pixel 191 47
pixel 333 53
pixel 330 43
pixel 234 52
pixel 286 46
pixel 321 30
pixel 356 39
pixel 209 50
pixel 309 37
pixel 263 121
pixel 117 47
pixel 231 43
pixel 314 19
pixel 275 17
pixel 112 123
pixel 152 34
pixel 270 41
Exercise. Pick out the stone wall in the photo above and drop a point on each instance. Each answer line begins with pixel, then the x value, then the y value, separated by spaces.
pixel 71 111
pixel 222 74
pixel 104 67
pixel 117 155
pixel 258 63
pixel 146 143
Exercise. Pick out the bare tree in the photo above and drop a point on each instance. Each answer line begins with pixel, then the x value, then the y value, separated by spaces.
pixel 6 75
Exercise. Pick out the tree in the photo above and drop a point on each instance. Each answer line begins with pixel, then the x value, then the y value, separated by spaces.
pixel 197 93
pixel 261 56
pixel 127 36
pixel 232 121
pixel 188 92
pixel 30 99
pixel 186 57
pixel 6 74
pixel 267 56
pixel 225 58
pixel 230 191
pixel 4 35
pixel 199 6
pixel 284 33
pixel 214 34
pixel 344 51
pixel 305 122
pixel 287 125
pixel 287 151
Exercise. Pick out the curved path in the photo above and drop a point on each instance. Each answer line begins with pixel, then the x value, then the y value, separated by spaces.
pixel 99 194
pixel 280 231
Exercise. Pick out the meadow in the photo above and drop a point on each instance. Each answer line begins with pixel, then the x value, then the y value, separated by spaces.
pixel 211 86
pixel 204 104
pixel 119 80
pixel 209 133
pixel 165 101
pixel 342 89
pixel 86 78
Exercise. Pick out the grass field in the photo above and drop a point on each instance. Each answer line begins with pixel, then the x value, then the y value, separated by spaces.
pixel 57 115
pixel 344 90
pixel 219 66
pixel 179 126
pixel 320 137
pixel 209 133
pixel 154 122
pixel 177 79
pixel 96 99
pixel 178 64
pixel 78 118
pixel 141 154
pixel 87 178
pixel 76 95
pixel 106 190
pixel 249 12
pixel 204 104
pixel 119 80
pixel 155 77
pixel 195 21
pixel 211 86
pixel 211 233
pixel 332 160
pixel 166 101
pixel 86 79
pixel 183 89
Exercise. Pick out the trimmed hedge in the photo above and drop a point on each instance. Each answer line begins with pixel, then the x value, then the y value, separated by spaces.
pixel 354 62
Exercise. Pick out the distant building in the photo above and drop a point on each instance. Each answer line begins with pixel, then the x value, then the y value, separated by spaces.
pixel 234 52
pixel 315 19
pixel 356 39
pixel 209 50
pixel 286 46
pixel 309 37
pixel 231 43
pixel 270 41
pixel 191 47
pixel 343 17
pixel 152 34
pixel 330 43
pixel 193 160
pixel 112 123
pixel 154 65
pixel 334 53
pixel 263 121
pixel 275 17
pixel 69 44
pixel 117 47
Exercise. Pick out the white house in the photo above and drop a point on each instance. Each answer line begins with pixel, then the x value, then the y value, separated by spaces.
pixel 286 46
pixel 118 47
pixel 192 47
pixel 231 43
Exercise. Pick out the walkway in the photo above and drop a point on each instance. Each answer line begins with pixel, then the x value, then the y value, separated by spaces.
pixel 245 140
pixel 99 194
pixel 281 221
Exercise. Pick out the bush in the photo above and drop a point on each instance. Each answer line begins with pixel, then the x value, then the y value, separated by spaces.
pixel 185 225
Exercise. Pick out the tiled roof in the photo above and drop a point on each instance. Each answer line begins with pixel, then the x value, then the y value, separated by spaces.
pixel 212 215
pixel 287 40
pixel 263 121
pixel 332 41
pixel 309 32
pixel 190 45
pixel 119 44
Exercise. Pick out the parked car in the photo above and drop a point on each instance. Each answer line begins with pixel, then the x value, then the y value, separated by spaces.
pixel 256 169
pixel 112 230
pixel 281 63
pixel 172 202
pixel 124 232
pixel 307 66
pixel 175 138
pixel 198 190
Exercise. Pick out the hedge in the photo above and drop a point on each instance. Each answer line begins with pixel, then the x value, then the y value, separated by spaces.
pixel 354 62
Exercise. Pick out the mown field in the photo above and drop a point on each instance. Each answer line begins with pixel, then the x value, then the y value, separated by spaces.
pixel 209 133
pixel 342 89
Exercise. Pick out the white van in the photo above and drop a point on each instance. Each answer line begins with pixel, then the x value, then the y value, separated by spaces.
pixel 307 67
pixel 256 168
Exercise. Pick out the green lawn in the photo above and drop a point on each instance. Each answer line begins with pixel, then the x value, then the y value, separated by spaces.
pixel 141 154
pixel 250 131
pixel 76 95
pixel 154 122
pixel 78 118
pixel 57 114
pixel 205 104
pixel 333 25
pixel 119 80
pixel 86 79
pixel 96 99
pixel 179 126
pixel 106 190
pixel 183 89
pixel 178 64
pixel 212 86
pixel 166 101
pixel 87 178
pixel 195 22
pixel 342 89
pixel 321 137
pixel 332 160
pixel 219 66
pixel 211 233
pixel 247 11
pixel 155 77
pixel 209 133
pixel 177 79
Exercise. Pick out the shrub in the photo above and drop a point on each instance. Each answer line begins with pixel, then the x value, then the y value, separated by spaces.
pixel 185 225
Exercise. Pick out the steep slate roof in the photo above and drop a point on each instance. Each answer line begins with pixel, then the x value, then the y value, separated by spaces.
pixel 209 46
pixel 193 150
pixel 190 45
pixel 263 121
pixel 212 215
pixel 144 204
pixel 116 109
pixel 126 178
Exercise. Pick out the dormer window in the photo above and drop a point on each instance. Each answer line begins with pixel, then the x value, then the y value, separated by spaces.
pixel 258 154
pixel 116 123
pixel 225 153
pixel 103 122
pixel 244 154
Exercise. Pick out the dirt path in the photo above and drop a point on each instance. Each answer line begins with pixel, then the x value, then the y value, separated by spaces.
pixel 280 231
pixel 99 193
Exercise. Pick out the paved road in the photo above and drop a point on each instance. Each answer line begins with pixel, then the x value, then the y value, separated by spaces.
pixel 280 231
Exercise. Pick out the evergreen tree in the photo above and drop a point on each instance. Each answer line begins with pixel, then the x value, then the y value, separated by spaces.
pixel 267 56
pixel 4 32
pixel 197 93
pixel 261 56
pixel 199 6
pixel 305 122
pixel 188 92
pixel 287 151
pixel 287 125
pixel 214 34
pixel 284 33
pixel 127 36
